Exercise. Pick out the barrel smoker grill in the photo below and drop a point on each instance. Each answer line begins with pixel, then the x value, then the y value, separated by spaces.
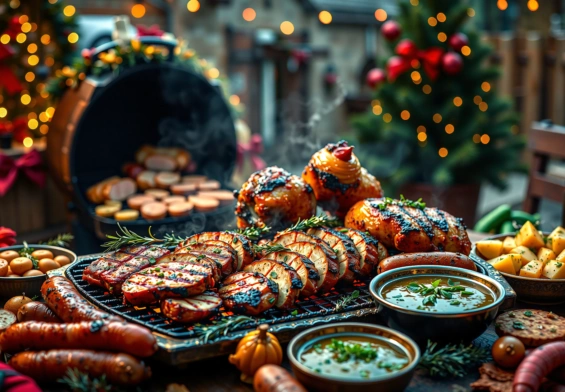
pixel 101 124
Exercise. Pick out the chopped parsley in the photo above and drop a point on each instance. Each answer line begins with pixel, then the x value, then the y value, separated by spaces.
pixel 345 351
pixel 274 275
pixel 528 313
pixel 152 260
pixel 518 325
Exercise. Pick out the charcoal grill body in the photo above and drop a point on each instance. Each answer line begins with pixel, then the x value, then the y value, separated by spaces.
pixel 101 124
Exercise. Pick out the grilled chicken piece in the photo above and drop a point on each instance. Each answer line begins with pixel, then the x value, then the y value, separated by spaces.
pixel 248 292
pixel 409 229
pixel 273 197
pixel 193 309
pixel 168 280
pixel 224 255
pixel 338 180
pixel 370 250
pixel 238 242
pixel 305 269
pixel 284 276
pixel 344 248
pixel 326 264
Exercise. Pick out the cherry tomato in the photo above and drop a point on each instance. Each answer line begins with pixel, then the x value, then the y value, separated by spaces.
pixel 508 352
pixel 343 153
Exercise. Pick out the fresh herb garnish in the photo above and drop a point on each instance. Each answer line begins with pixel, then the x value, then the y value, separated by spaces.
pixel 452 360
pixel 126 237
pixel 518 325
pixel 62 240
pixel 346 300
pixel 269 248
pixel 221 327
pixel 254 233
pixel 294 312
pixel 274 275
pixel 345 351
pixel 26 251
pixel 403 202
pixel 315 221
pixel 434 291
pixel 528 313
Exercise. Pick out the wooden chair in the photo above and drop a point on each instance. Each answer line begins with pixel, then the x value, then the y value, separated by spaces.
pixel 545 141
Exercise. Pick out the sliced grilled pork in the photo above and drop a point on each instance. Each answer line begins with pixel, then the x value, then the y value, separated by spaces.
pixel 326 264
pixel 344 248
pixel 289 237
pixel 284 276
pixel 248 292
pixel 191 258
pixel 239 242
pixel 167 280
pixel 193 309
pixel 370 250
pixel 224 255
pixel 305 269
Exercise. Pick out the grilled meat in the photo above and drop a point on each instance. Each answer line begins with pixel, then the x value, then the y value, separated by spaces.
pixel 285 277
pixel 112 269
pixel 409 229
pixel 288 237
pixel 193 309
pixel 169 280
pixel 273 197
pixel 238 242
pixel 305 269
pixel 191 258
pixel 326 264
pixel 370 250
pixel 338 180
pixel 248 292
pixel 347 255
pixel 224 255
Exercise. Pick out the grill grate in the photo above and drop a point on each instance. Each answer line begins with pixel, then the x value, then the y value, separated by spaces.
pixel 152 318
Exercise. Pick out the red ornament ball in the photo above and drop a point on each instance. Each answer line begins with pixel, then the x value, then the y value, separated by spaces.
pixel 452 63
pixel 391 30
pixel 375 77
pixel 457 41
pixel 406 48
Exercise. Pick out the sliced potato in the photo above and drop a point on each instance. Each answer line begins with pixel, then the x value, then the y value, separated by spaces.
pixel 529 236
pixel 545 254
pixel 527 254
pixel 556 240
pixel 490 248
pixel 561 256
pixel 508 244
pixel 510 263
pixel 533 269
pixel 554 270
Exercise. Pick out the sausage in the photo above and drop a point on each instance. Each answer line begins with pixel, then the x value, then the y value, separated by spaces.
pixel 273 378
pixel 99 335
pixel 154 210
pixel 37 311
pixel 63 299
pixel 48 366
pixel 430 258
pixel 537 365
pixel 119 190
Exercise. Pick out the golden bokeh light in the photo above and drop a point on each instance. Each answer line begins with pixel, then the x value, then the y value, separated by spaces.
pixel 442 37
pixel 443 152
pixel 25 99
pixel 380 15
pixel 437 118
pixel 441 17
pixel 3 112
pixel 138 10
pixel 69 10
pixel 26 27
pixel 21 38
pixel 422 136
pixel 483 106
pixel 325 17
pixel 31 115
pixel 14 3
pixel 193 5
pixel 249 14
pixel 32 48
pixel 28 142
pixel 213 73
pixel 45 39
pixel 470 12
pixel 23 19
pixel 50 111
pixel 43 117
pixel 73 38
pixel 427 89
pixel 414 2
pixel 533 5
pixel 502 5
pixel 485 86
pixel 33 60
pixel 387 117
pixel 477 99
pixel 44 128
pixel 32 124
pixel 421 129
pixel 5 39
pixel 30 77
pixel 377 110
pixel 477 138
pixel 287 27
pixel 415 75
pixel 449 129
pixel 465 50
pixel 457 101
pixel 485 139
pixel 405 115
pixel 432 21
pixel 234 100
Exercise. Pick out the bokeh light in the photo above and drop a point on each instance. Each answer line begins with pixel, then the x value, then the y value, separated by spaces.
pixel 380 15
pixel 457 101
pixel 443 152
pixel 138 11
pixel 249 14
pixel 287 27
pixel 325 17
pixel 69 10
pixel 405 115
pixel 193 6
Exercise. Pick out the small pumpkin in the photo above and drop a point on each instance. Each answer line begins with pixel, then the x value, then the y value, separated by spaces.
pixel 254 350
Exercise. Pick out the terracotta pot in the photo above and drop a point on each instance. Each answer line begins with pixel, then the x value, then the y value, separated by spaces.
pixel 459 200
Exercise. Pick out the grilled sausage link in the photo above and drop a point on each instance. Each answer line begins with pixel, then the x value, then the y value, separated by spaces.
pixel 48 366
pixel 63 299
pixel 113 336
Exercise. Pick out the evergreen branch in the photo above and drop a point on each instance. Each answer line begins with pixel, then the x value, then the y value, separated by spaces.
pixel 221 327
pixel 268 248
pixel 62 240
pixel 78 381
pixel 452 360
pixel 126 237
pixel 315 221
pixel 254 233
pixel 345 300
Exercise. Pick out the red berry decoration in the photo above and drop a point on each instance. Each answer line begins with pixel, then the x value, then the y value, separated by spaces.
pixel 406 48
pixel 452 63
pixel 375 77
pixel 391 30
pixel 457 41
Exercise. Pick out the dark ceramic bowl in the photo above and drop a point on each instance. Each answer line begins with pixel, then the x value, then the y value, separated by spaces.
pixel 541 291
pixel 30 285
pixel 313 381
pixel 422 325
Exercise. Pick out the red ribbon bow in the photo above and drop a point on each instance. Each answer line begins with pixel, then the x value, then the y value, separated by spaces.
pixel 429 58
pixel 253 149
pixel 151 31
pixel 30 164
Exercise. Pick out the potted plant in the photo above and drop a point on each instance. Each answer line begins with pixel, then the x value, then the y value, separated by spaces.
pixel 436 128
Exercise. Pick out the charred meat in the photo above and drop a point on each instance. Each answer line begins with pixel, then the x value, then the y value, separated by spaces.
pixel 248 292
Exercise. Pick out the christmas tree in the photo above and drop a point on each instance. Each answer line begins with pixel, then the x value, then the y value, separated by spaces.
pixel 435 112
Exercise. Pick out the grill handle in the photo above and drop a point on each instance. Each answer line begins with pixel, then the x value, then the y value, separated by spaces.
pixel 149 40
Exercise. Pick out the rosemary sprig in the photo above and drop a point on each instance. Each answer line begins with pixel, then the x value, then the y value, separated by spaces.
pixel 254 233
pixel 315 221
pixel 126 237
pixel 386 201
pixel 452 360
pixel 268 248
pixel 78 381
pixel 346 300
pixel 26 251
pixel 61 240
pixel 221 327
